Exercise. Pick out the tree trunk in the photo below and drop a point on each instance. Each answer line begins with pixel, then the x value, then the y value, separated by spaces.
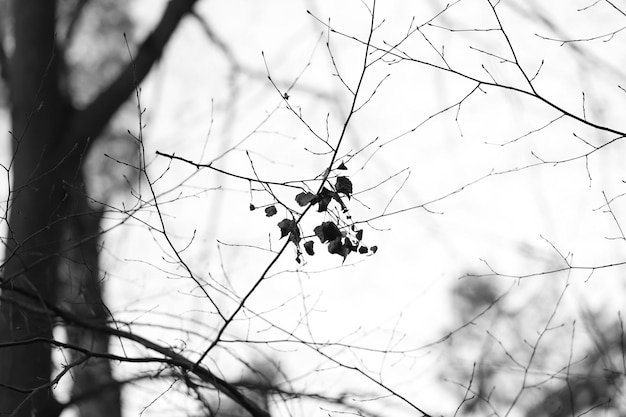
pixel 52 247
pixel 36 208
pixel 95 391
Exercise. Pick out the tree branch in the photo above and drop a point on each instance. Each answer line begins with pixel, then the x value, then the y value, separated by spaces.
pixel 73 21
pixel 172 358
pixel 89 122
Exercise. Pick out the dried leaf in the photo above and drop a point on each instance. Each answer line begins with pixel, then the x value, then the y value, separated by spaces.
pixel 305 198
pixel 286 227
pixel 327 231
pixel 338 247
pixel 324 198
pixel 344 186
pixel 308 247
pixel 270 211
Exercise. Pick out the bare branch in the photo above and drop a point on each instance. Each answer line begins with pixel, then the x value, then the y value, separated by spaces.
pixel 89 122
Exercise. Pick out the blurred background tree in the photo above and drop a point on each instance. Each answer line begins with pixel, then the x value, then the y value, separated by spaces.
pixel 66 77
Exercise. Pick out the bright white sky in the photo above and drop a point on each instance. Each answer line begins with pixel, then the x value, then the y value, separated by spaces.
pixel 398 298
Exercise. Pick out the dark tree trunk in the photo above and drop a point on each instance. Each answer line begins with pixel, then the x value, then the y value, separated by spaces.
pixel 37 206
pixel 52 247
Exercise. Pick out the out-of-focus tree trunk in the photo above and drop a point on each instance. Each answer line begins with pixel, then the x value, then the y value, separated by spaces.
pixel 38 205
pixel 80 291
pixel 52 250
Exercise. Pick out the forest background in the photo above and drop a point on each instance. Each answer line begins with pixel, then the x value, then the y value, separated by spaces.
pixel 480 149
